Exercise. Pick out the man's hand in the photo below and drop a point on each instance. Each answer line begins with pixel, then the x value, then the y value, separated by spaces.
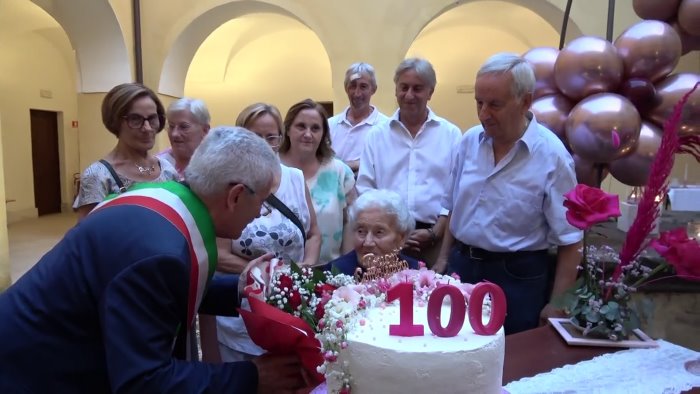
pixel 279 374
pixel 440 265
pixel 548 311
pixel 419 240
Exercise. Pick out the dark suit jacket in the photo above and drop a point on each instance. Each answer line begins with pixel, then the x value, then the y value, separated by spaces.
pixel 100 311
pixel 347 263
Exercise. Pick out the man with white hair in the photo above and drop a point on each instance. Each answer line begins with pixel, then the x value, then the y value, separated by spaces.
pixel 412 154
pixel 506 198
pixel 349 128
pixel 100 312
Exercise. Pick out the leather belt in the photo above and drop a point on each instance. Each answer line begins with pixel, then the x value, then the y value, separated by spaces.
pixel 475 253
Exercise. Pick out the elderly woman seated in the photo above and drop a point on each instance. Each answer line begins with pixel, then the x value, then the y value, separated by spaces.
pixel 380 223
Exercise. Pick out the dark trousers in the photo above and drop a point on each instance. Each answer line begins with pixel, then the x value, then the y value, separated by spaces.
pixel 523 276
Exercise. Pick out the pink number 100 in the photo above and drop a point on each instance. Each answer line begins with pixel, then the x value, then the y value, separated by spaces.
pixel 404 293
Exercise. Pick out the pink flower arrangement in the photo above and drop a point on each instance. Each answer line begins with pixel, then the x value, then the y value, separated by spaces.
pixel 599 301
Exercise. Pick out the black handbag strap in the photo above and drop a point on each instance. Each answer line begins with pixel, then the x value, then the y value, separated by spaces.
pixel 282 207
pixel 118 181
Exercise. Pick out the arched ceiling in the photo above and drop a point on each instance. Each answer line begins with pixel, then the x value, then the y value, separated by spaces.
pixel 185 46
pixel 101 53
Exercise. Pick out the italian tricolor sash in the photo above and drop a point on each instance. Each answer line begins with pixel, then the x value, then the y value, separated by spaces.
pixel 176 203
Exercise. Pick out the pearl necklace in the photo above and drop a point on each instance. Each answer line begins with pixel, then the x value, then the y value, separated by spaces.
pixel 145 170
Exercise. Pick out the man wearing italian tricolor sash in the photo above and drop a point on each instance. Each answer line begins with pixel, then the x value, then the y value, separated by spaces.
pixel 102 310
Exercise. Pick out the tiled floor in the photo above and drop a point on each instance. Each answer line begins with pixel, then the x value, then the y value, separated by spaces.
pixel 32 238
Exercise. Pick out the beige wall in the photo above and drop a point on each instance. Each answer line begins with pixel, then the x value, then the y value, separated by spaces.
pixel 48 66
pixel 5 279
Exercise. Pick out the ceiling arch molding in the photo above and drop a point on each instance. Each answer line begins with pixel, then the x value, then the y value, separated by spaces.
pixel 101 54
pixel 548 11
pixel 184 47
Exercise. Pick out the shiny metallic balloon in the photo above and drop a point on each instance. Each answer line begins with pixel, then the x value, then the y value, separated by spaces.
pixel 633 169
pixel 603 127
pixel 552 111
pixel 589 173
pixel 542 61
pixel 670 90
pixel 660 10
pixel 688 42
pixel 588 65
pixel 689 16
pixel 649 49
pixel 641 92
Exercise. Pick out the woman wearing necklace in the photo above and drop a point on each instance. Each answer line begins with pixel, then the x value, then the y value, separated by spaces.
pixel 135 115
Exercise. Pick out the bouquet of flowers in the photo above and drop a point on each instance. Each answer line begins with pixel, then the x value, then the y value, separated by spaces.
pixel 599 301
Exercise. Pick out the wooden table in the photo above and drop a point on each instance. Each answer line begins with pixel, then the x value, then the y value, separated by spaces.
pixel 532 352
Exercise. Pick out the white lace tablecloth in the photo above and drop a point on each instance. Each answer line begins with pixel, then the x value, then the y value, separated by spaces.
pixel 654 370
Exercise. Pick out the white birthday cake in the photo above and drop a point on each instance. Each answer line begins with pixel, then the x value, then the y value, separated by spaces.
pixel 382 363
pixel 362 356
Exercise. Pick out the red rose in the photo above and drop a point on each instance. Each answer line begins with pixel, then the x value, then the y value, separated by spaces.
pixel 323 288
pixel 681 252
pixel 590 205
pixel 285 281
pixel 320 311
pixel 295 300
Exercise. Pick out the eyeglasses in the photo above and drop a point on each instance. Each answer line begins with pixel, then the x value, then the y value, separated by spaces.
pixel 136 121
pixel 273 140
pixel 265 208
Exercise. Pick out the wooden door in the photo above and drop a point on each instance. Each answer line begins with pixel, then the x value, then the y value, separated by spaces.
pixel 45 161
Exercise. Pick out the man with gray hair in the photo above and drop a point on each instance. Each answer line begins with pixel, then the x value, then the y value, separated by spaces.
pixel 100 312
pixel 412 154
pixel 188 122
pixel 349 128
pixel 506 198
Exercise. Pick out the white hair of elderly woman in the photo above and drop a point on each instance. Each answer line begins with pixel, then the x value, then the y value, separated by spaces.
pixel 390 202
pixel 228 155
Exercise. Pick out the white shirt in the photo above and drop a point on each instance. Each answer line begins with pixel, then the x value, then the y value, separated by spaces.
pixel 417 168
pixel 517 204
pixel 347 140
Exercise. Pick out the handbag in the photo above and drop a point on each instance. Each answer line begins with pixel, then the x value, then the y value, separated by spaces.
pixel 282 207
pixel 118 181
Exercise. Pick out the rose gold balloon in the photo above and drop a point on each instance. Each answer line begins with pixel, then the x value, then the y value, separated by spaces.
pixel 689 16
pixel 656 9
pixel 670 90
pixel 688 42
pixel 633 169
pixel 586 66
pixel 589 129
pixel 649 49
pixel 542 61
pixel 588 173
pixel 641 93
pixel 552 112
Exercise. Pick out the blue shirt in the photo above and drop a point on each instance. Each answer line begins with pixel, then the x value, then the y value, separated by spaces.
pixel 517 204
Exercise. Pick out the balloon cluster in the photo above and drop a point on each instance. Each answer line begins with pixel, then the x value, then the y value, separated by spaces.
pixel 608 101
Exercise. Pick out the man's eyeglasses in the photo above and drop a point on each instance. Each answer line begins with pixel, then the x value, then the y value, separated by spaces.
pixel 136 121
pixel 265 208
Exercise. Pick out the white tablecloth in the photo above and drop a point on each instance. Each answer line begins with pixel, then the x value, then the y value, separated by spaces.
pixel 655 370
pixel 685 198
